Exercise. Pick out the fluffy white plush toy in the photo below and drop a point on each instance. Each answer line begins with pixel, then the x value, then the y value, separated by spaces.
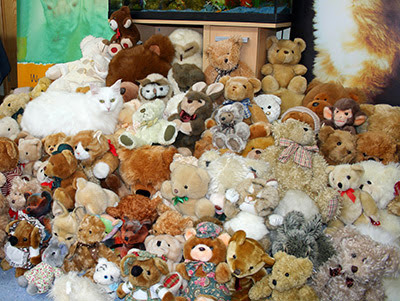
pixel 149 127
pixel 188 45
pixel 9 127
pixel 92 68
pixel 107 275
pixel 270 104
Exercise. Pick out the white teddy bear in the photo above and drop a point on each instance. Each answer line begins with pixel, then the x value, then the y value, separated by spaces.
pixel 107 275
pixel 9 127
pixel 188 45
pixel 149 127
pixel 92 68
pixel 270 104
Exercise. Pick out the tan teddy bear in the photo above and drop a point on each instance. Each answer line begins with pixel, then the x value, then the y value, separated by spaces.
pixel 287 280
pixel 283 69
pixel 242 89
pixel 224 59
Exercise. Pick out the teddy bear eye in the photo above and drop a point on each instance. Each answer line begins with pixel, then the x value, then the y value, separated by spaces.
pixel 305 129
pixel 292 51
pixel 148 273
pixel 353 255
pixel 364 259
pixel 53 253
pixel 348 177
pixel 69 238
pixel 90 231
pixel 234 256
pixel 26 153
pixel 277 50
pixel 190 101
pixel 364 154
pixel 244 86
pixel 9 105
pixel 339 143
pixel 380 159
pixel 287 274
pixel 369 182
pixel 105 277
pixel 25 239
pixel 86 149
pixel 9 129
pixel 186 187
pixel 250 268
pixel 269 107
pixel 55 234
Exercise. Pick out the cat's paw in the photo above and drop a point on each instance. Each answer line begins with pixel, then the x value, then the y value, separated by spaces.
pixel 275 219
pixel 101 170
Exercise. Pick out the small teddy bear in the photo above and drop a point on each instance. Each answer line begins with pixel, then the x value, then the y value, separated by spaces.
pixel 287 281
pixel 357 207
pixel 224 59
pixel 283 69
pixel 358 269
pixel 230 132
pixel 30 150
pixel 188 45
pixel 247 260
pixel 13 105
pixel 378 146
pixel 270 104
pixel 51 142
pixel 171 222
pixel 9 127
pixel 39 279
pixel 205 267
pixel 187 190
pixel 143 272
pixel 149 127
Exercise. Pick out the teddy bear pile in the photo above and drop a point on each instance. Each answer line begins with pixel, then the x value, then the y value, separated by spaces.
pixel 211 185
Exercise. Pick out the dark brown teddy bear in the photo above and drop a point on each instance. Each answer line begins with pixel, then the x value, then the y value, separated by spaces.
pixel 132 64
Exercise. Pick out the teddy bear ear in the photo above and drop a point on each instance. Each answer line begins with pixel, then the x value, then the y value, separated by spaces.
pixel 279 255
pixel 127 22
pixel 58 209
pixel 239 237
pixel 306 265
pixel 223 80
pixel 256 83
pixel 329 169
pixel 300 43
pixel 189 232
pixel 271 40
pixel 325 132
pixel 35 238
pixel 9 225
pixel 358 169
pixel 225 237
pixel 214 89
pixel 270 261
pixel 147 239
pixel 161 265
pixel 126 264
pixel 392 260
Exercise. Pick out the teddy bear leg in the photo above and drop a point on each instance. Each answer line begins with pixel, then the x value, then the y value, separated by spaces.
pixel 5 265
pixel 114 48
pixel 219 140
pixel 204 208
pixel 269 84
pixel 22 281
pixel 19 272
pixel 170 134
pixel 235 143
pixel 127 140
pixel 31 289
pixel 298 84
pixel 394 206
pixel 333 226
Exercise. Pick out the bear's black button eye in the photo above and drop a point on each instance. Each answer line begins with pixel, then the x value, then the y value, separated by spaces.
pixel 353 255
pixel 186 187
pixel 339 143
pixel 287 274
pixel 348 177
pixel 369 182
pixel 305 129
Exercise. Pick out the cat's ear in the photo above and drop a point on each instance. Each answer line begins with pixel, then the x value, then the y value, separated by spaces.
pixel 94 89
pixel 116 86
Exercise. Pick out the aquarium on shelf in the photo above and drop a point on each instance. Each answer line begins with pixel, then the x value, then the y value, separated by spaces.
pixel 209 10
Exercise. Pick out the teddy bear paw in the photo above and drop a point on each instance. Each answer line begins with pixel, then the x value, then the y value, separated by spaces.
pixel 275 219
pixel 114 48
pixel 170 133
pixel 127 140
pixel 101 170
pixel 235 144
pixel 232 195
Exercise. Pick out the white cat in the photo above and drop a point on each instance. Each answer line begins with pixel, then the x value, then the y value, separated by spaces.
pixel 57 111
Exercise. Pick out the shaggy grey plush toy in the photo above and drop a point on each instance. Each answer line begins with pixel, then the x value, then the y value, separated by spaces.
pixel 302 238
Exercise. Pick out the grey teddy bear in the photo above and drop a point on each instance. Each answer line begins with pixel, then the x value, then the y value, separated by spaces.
pixel 302 238
pixel 230 132
pixel 39 279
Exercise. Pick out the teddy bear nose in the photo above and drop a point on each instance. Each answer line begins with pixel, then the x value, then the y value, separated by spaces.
pixel 340 185
pixel 158 243
pixel 285 52
pixel 315 104
pixel 354 269
pixel 13 240
pixel 223 118
pixel 258 152
pixel 361 186
pixel 349 152
pixel 176 191
pixel 274 282
pixel 136 271
pixel 202 249
pixel 226 60
pixel 142 110
pixel 236 271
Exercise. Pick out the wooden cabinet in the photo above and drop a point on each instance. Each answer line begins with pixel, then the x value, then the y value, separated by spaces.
pixel 253 52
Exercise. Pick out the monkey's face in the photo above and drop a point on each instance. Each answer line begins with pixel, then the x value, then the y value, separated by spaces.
pixel 343 116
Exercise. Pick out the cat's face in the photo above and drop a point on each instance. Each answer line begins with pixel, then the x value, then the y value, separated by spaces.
pixel 108 99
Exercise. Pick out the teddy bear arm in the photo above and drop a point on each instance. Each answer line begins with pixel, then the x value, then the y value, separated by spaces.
pixel 267 69
pixel 36 260
pixel 109 159
pixel 222 273
pixel 260 289
pixel 307 293
pixel 242 130
pixel 120 292
pixel 166 190
pixel 257 114
pixel 369 205
pixel 181 269
pixel 299 69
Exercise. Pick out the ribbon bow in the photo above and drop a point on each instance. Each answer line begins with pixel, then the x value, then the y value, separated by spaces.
pixel 222 72
pixel 112 148
pixel 118 34
pixel 193 266
pixel 149 123
pixel 301 154
pixel 178 199
pixel 350 193
pixel 48 184
pixel 185 117
pixel 246 104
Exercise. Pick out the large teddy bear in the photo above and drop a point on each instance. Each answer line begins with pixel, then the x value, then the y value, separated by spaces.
pixel 92 68
pixel 296 164
pixel 149 127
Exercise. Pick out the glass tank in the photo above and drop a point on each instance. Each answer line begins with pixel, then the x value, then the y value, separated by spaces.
pixel 264 11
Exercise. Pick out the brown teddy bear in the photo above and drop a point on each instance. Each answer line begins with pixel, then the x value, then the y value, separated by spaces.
pixel 303 114
pixel 193 110
pixel 9 156
pixel 51 142
pixel 378 146
pixel 171 222
pixel 242 89
pixel 205 267
pixel 224 59
pixel 4 220
pixel 126 33
pixel 247 260
pixel 337 146
pixel 144 273
pixel 287 281
pixel 319 95
pixel 83 255
pixel 144 169
pixel 96 153
pixel 283 69
pixel 62 166
pixel 13 105
pixel 381 117
pixel 187 190
pixel 153 56
pixel 23 247
pixel 256 146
